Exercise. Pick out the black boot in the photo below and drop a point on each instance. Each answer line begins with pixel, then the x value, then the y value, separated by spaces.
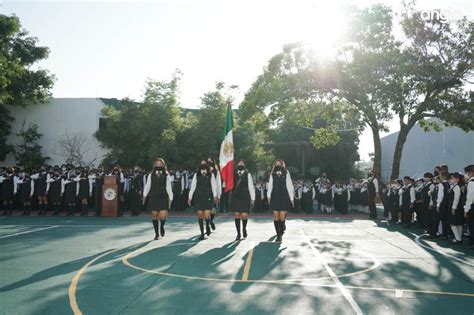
pixel 201 227
pixel 277 227
pixel 208 228
pixel 244 227
pixel 237 227
pixel 212 222
pixel 155 227
pixel 162 227
pixel 84 210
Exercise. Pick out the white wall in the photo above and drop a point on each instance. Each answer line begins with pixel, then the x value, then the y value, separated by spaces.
pixel 59 116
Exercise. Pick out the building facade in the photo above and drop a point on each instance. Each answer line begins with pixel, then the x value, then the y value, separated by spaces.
pixel 62 122
pixel 424 150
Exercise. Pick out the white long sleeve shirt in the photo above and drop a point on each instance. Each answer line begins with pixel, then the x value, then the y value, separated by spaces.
pixel 218 184
pixel 21 181
pixel 457 194
pixel 194 185
pixel 470 195
pixel 289 186
pixel 169 190
pixel 440 198
pixel 412 194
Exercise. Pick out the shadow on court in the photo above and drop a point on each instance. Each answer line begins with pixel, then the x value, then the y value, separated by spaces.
pixel 110 287
pixel 68 267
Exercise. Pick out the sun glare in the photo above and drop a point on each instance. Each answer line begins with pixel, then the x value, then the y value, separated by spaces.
pixel 324 26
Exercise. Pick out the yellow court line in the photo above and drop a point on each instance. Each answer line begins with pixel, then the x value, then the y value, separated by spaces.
pixel 75 279
pixel 248 262
pixel 125 261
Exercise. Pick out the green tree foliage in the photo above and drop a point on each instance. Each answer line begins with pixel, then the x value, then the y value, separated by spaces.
pixel 28 152
pixel 296 120
pixel 20 84
pixel 430 76
pixel 138 134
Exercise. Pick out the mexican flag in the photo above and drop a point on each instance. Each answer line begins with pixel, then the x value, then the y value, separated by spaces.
pixel 226 156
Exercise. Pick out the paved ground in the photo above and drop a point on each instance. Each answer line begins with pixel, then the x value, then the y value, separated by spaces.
pixel 325 265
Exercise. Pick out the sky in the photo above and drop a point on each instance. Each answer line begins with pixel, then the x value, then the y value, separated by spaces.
pixel 110 48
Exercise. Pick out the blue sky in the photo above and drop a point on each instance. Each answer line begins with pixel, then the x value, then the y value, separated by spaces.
pixel 109 48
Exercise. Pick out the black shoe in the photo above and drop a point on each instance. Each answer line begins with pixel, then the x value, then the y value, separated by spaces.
pixel 278 239
pixel 456 242
pixel 201 238
pixel 238 237
pixel 213 226
pixel 162 231
pixel 244 232
pixel 208 231
pixel 156 237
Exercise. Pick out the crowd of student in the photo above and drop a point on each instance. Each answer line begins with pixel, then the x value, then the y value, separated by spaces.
pixel 439 202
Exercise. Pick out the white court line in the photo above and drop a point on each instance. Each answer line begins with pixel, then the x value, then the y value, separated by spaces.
pixel 333 276
pixel 417 240
pixel 32 231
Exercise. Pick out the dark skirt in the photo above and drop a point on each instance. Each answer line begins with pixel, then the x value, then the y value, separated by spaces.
pixel 70 193
pixel 55 192
pixel 40 188
pixel 25 192
pixel 158 203
pixel 83 189
pixel 202 203
pixel 7 190
pixel 457 218
pixel 239 205
pixel 280 203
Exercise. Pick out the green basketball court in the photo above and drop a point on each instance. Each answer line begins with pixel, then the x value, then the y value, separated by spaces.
pixel 325 265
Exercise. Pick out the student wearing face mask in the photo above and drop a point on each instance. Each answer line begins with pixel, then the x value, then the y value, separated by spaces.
pixel 54 190
pixel 25 187
pixel 214 168
pixel 178 188
pixel 69 188
pixel 259 196
pixel 456 200
pixel 280 196
pixel 202 194
pixel 136 191
pixel 98 183
pixel 242 198
pixel 7 180
pixel 469 203
pixel 84 190
pixel 160 195
pixel 407 200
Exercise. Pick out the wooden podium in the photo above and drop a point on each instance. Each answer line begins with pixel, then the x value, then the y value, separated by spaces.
pixel 110 197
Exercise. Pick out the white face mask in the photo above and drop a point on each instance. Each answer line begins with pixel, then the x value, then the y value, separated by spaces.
pixel 203 172
pixel 278 173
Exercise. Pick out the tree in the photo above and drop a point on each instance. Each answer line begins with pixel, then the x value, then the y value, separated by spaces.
pixel 288 104
pixel 28 152
pixel 20 84
pixel 363 68
pixel 431 74
pixel 138 134
pixel 73 147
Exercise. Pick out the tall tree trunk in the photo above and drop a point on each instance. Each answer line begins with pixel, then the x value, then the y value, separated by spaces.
pixel 377 152
pixel 397 154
